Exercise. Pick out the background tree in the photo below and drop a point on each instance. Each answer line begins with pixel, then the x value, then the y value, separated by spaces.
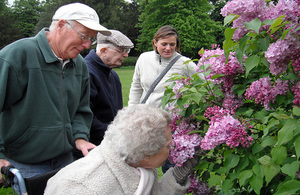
pixel 26 14
pixel 113 14
pixel 9 32
pixel 216 16
pixel 189 17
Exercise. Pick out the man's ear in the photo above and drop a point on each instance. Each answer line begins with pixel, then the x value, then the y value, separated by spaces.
pixel 61 24
pixel 103 49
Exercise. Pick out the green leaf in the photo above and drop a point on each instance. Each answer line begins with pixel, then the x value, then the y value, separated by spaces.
pixel 249 112
pixel 297 147
pixel 286 133
pixel 289 187
pixel 276 24
pixel 263 43
pixel 278 154
pixel 280 116
pixel 268 22
pixel 215 76
pixel 196 97
pixel 244 162
pixel 186 99
pixel 202 165
pixel 257 148
pixel 271 124
pixel 229 33
pixel 228 19
pixel 200 118
pixel 244 175
pixel 227 185
pixel 253 25
pixel 201 51
pixel 265 160
pixel 165 99
pixel 231 161
pixel 270 172
pixel 256 183
pixel 291 169
pixel 268 141
pixel 241 49
pixel 258 170
pixel 251 63
pixel 215 180
pixel 221 170
pixel 296 111
pixel 285 32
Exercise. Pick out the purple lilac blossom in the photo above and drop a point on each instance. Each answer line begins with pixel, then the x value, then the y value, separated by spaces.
pixel 224 129
pixel 232 101
pixel 264 92
pixel 179 85
pixel 218 66
pixel 230 70
pixel 198 187
pixel 296 90
pixel 288 8
pixel 247 10
pixel 183 147
pixel 296 65
pixel 280 53
pixel 183 144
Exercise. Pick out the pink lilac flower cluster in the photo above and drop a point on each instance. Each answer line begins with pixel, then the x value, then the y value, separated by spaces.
pixel 198 187
pixel 179 85
pixel 288 8
pixel 264 92
pixel 249 10
pixel 184 143
pixel 296 90
pixel 218 65
pixel 232 101
pixel 224 129
pixel 296 65
pixel 280 53
pixel 230 70
pixel 297 13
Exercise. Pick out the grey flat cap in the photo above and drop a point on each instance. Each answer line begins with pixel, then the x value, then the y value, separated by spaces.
pixel 117 38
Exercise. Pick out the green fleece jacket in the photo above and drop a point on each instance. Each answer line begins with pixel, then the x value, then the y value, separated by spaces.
pixel 44 106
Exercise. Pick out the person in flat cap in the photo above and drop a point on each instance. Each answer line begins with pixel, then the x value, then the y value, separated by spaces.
pixel 106 90
pixel 44 93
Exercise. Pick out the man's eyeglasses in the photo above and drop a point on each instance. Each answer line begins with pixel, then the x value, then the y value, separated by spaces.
pixel 83 37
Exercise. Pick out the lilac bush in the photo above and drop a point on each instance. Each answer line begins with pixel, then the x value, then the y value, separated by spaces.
pixel 244 117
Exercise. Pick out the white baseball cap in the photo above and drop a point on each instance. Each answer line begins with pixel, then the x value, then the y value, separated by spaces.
pixel 83 14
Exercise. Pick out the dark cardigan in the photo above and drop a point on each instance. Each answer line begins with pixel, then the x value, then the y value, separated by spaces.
pixel 106 95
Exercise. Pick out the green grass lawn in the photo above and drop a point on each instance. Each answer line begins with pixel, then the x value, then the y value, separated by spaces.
pixel 125 73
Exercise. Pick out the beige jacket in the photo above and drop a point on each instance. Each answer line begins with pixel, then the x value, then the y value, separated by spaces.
pixel 103 172
pixel 148 67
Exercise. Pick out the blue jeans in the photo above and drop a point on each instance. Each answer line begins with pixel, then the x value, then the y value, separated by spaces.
pixel 31 170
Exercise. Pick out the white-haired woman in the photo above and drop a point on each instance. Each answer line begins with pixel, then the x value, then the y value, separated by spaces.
pixel 135 144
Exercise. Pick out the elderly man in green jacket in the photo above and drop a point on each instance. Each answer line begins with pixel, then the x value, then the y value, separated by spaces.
pixel 44 93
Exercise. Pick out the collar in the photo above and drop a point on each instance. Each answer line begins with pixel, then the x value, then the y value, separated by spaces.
pixel 165 61
pixel 44 45
pixel 97 60
pixel 47 51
